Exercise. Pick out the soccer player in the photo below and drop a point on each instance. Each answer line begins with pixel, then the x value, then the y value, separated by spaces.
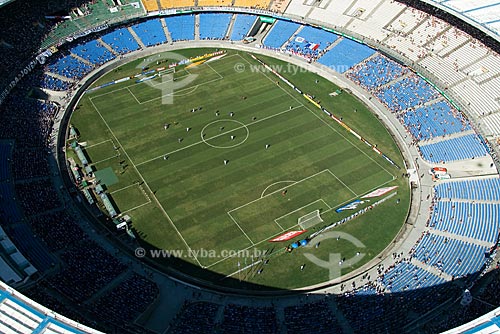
pixel 232 137
pixel 226 162
pixel 231 114
pixel 165 157
pixel 188 129
pixel 179 140
pixel 217 113
pixel 267 146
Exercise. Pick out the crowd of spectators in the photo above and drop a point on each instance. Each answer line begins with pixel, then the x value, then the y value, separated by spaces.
pixel 240 319
pixel 30 163
pixel 314 317
pixel 87 269
pixel 57 229
pixel 38 196
pixel 137 292
pixel 195 318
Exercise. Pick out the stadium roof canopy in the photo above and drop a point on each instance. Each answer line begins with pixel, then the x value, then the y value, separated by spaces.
pixel 483 14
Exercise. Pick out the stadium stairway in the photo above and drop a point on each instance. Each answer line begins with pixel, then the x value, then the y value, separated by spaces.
pixel 431 269
pixel 108 47
pixel 136 37
pixel 462 238
pixel 231 25
pixel 83 60
pixel 165 30
pixel 197 27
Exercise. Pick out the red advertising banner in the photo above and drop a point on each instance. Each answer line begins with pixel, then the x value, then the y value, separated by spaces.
pixel 379 192
pixel 287 236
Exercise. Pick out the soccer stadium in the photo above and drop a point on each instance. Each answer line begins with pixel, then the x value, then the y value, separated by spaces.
pixel 249 166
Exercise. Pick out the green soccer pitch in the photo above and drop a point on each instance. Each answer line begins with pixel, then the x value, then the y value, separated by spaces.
pixel 242 169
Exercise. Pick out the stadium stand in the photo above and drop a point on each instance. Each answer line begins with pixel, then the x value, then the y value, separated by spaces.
pixel 195 318
pixel 5 156
pixel 245 319
pixel 280 34
pixel 480 221
pixel 88 269
pixel 487 189
pixel 121 41
pixel 52 83
pixel 215 3
pixel 420 29
pixel 150 5
pixel 375 72
pixel 150 32
pixel 406 93
pixel 94 52
pixel 167 4
pixel 309 42
pixel 137 292
pixel 438 119
pixel 259 4
pixel 241 26
pixel 69 67
pixel 454 257
pixel 181 28
pixel 406 276
pixel 345 55
pixel 214 26
pixel 459 148
pixel 312 317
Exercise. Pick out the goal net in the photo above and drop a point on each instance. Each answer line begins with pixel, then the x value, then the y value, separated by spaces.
pixel 310 220
pixel 166 71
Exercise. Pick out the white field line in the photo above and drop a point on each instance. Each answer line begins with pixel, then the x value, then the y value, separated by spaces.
pixel 146 184
pixel 216 136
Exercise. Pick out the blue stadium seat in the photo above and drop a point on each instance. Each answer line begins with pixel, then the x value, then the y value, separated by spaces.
pixel 150 32
pixel 181 28
pixel 94 52
pixel 241 26
pixel 214 25
pixel 460 148
pixel 121 40
pixel 345 55
pixel 280 33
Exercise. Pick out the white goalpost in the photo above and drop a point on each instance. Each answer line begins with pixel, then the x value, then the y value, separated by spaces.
pixel 309 220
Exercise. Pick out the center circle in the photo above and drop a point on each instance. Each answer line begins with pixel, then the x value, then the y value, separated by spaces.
pixel 224 130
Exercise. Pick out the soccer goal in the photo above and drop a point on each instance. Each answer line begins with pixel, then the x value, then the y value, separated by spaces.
pixel 310 220
pixel 166 71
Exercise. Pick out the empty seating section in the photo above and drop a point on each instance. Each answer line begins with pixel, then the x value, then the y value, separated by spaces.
pixel 481 189
pixel 375 72
pixel 406 93
pixel 94 52
pixel 150 5
pixel 5 156
pixel 215 3
pixel 454 257
pixel 406 276
pixel 69 67
pixel 50 82
pixel 435 120
pixel 8 207
pixel 121 41
pixel 214 25
pixel 260 4
pixel 165 4
pixel 311 41
pixel 196 318
pixel 311 318
pixel 246 319
pixel 241 26
pixel 181 28
pixel 345 55
pixel 280 33
pixel 474 220
pixel 150 32
pixel 460 148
